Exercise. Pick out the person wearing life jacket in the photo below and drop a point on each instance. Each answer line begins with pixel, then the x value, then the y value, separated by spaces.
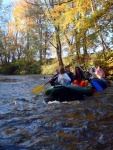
pixel 63 78
pixel 70 74
pixel 79 78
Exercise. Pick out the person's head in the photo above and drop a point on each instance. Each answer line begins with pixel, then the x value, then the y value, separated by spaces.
pixel 99 68
pixel 57 71
pixel 93 69
pixel 67 68
pixel 77 70
pixel 62 70
pixel 79 74
pixel 82 67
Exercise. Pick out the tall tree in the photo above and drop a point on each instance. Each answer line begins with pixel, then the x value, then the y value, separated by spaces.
pixel 56 27
pixel 32 24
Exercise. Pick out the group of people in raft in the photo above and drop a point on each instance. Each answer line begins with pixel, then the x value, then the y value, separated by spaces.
pixel 63 76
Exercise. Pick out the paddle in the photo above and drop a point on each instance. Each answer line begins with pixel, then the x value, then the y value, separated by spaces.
pixel 95 84
pixel 39 88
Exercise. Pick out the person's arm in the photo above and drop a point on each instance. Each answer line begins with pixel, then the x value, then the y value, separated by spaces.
pixel 66 77
pixel 54 78
pixel 59 78
pixel 74 77
pixel 71 75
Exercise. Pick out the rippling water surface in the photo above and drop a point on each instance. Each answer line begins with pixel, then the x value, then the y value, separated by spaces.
pixel 26 122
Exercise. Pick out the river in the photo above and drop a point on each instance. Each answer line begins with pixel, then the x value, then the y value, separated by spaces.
pixel 27 123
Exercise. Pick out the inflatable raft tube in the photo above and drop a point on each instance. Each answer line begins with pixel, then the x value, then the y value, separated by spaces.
pixel 67 93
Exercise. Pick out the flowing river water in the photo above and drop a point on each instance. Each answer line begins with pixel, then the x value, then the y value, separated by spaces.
pixel 27 123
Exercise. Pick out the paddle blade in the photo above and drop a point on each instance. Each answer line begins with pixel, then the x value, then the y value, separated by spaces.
pixel 38 88
pixel 97 86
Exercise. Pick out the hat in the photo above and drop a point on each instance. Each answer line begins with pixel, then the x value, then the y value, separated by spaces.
pixel 93 66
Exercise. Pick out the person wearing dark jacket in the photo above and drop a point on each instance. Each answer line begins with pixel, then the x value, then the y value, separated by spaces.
pixel 70 74
pixel 54 78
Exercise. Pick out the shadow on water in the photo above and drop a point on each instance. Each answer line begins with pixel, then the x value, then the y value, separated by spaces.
pixel 27 123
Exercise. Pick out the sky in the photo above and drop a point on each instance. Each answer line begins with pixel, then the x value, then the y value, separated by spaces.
pixel 6 2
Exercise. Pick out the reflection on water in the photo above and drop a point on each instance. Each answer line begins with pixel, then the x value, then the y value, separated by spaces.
pixel 27 123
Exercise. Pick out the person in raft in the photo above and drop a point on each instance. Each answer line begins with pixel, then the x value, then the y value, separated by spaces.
pixel 79 78
pixel 100 73
pixel 70 74
pixel 92 72
pixel 63 78
pixel 54 78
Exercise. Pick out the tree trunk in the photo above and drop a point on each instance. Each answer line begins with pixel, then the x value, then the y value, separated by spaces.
pixel 58 47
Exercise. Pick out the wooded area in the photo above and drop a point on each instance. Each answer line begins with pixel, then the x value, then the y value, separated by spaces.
pixel 30 30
